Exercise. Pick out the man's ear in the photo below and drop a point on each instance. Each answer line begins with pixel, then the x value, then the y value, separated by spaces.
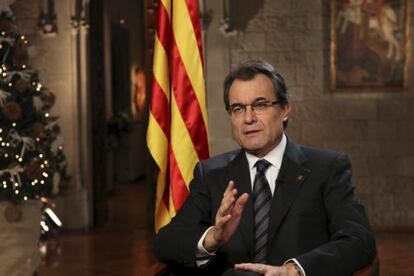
pixel 286 108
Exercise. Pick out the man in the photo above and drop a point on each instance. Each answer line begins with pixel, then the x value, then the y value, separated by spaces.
pixel 273 207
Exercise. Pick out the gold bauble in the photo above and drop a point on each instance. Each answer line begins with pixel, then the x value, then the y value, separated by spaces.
pixel 48 99
pixel 21 85
pixel 12 111
pixel 39 130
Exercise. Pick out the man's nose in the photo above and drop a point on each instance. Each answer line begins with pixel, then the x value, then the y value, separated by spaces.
pixel 249 115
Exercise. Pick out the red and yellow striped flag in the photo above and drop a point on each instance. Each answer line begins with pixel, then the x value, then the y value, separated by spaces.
pixel 177 127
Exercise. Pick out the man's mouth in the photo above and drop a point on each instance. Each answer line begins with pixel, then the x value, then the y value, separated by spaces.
pixel 250 132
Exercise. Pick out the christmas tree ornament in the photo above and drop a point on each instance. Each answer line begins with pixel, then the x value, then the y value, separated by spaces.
pixel 13 213
pixel 48 99
pixel 39 130
pixel 21 85
pixel 13 137
pixel 14 171
pixel 12 111
pixel 27 143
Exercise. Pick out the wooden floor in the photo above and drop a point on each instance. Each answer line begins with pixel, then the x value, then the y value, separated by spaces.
pixel 124 247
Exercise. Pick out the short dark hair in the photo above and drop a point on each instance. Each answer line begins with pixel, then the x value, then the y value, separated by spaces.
pixel 248 70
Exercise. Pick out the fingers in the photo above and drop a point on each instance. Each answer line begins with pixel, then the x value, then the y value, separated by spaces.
pixel 263 269
pixel 230 187
pixel 230 208
pixel 241 201
pixel 229 197
pixel 228 215
pixel 259 268
pixel 238 206
pixel 220 222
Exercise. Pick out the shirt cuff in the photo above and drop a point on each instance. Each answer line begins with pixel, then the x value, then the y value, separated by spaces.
pixel 202 255
pixel 302 271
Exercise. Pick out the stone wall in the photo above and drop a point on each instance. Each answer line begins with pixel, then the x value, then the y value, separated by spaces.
pixel 376 129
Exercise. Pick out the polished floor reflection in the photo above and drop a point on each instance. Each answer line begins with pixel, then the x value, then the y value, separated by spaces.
pixel 124 246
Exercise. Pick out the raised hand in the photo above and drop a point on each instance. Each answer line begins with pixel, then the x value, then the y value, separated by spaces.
pixel 227 218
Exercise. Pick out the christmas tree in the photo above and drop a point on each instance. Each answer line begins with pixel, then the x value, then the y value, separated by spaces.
pixel 32 162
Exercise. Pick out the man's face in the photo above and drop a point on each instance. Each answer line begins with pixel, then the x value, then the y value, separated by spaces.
pixel 257 133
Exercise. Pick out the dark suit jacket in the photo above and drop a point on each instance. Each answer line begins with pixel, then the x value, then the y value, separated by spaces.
pixel 315 216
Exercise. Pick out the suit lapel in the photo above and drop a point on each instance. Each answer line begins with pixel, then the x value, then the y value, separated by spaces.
pixel 239 172
pixel 291 176
pixel 290 179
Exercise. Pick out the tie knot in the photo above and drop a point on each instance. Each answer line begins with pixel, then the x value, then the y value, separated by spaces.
pixel 262 165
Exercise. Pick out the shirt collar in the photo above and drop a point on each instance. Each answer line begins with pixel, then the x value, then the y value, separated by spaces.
pixel 274 157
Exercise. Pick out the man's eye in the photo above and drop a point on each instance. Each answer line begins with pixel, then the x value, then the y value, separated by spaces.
pixel 260 105
pixel 237 108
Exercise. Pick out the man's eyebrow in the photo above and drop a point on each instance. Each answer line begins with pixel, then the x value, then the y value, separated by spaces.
pixel 260 99
pixel 254 101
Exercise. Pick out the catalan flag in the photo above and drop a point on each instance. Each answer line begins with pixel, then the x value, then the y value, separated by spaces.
pixel 177 127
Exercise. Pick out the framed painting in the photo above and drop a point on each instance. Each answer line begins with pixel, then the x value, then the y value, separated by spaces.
pixel 370 44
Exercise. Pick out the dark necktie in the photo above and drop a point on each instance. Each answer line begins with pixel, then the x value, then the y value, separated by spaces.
pixel 261 203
